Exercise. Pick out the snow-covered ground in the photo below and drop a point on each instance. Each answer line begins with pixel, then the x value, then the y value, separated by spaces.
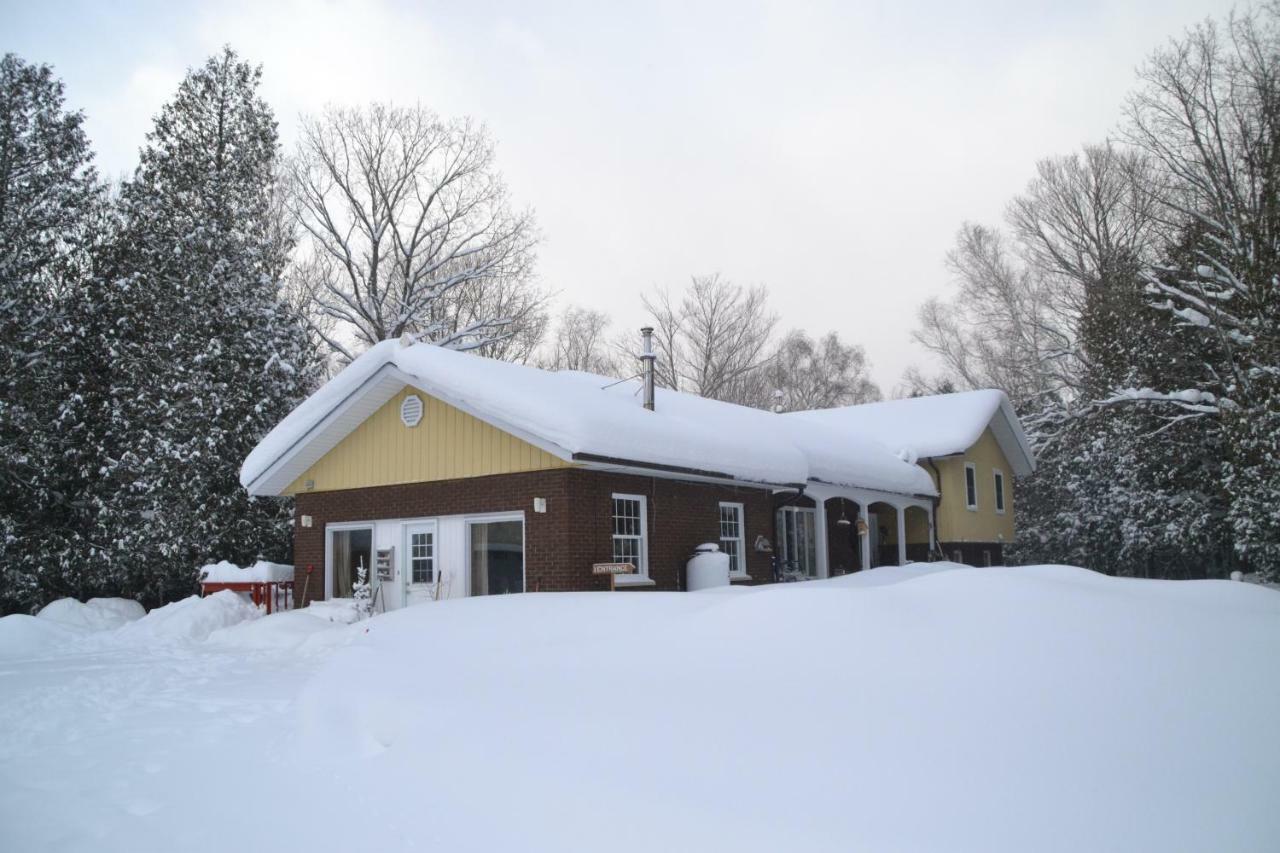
pixel 921 708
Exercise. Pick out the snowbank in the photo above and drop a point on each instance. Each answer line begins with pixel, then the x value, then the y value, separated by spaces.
pixel 922 708
pixel 341 610
pixel 287 631
pixel 96 614
pixel 227 572
pixel 23 636
pixel 193 618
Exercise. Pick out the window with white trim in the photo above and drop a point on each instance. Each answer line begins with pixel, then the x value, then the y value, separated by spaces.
pixel 970 485
pixel 630 532
pixel 421 557
pixel 732 537
pixel 999 484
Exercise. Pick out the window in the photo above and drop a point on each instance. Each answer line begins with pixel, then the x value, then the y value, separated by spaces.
pixel 732 538
pixel 630 536
pixel 999 475
pixel 797 542
pixel 421 557
pixel 970 485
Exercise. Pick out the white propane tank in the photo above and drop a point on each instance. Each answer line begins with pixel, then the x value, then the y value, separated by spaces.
pixel 707 568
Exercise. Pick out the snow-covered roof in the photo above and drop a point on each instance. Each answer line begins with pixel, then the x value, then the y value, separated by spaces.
pixel 580 417
pixel 939 425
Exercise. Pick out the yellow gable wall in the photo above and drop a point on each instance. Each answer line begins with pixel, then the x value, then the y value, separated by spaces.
pixel 447 444
pixel 957 523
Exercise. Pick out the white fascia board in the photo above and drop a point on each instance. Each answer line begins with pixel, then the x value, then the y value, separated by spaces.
pixel 380 387
pixel 825 490
pixel 1013 439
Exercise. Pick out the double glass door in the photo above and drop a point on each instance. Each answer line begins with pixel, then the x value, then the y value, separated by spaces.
pixel 797 542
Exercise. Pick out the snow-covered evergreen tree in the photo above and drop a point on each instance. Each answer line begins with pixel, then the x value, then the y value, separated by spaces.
pixel 1208 112
pixel 205 354
pixel 50 200
pixel 362 592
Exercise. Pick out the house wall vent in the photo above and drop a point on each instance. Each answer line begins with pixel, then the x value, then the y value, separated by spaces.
pixel 411 410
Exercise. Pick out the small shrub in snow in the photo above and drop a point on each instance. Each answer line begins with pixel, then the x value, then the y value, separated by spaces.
pixel 362 592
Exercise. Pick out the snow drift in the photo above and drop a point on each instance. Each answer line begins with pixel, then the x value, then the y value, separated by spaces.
pixel 96 614
pixel 191 619
pixel 993 709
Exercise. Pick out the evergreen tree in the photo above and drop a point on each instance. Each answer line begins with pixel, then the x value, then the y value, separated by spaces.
pixel 50 199
pixel 1130 487
pixel 205 354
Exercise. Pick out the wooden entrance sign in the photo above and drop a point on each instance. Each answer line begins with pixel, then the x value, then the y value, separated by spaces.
pixel 612 570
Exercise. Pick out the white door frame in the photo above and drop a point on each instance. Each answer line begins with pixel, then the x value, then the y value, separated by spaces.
pixel 484 518
pixel 406 565
pixel 371 526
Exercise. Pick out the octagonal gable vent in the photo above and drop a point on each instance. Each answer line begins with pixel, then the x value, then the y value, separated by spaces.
pixel 411 410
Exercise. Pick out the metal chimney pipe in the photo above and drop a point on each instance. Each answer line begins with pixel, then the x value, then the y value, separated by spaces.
pixel 647 358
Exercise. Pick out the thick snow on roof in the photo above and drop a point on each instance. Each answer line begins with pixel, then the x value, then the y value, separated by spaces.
pixel 581 413
pixel 921 427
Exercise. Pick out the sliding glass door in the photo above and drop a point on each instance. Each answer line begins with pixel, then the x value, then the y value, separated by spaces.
pixel 349 549
pixel 497 555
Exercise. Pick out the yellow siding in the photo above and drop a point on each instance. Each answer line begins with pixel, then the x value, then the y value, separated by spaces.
pixel 447 444
pixel 957 523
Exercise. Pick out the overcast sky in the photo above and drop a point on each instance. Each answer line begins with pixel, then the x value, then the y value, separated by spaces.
pixel 827 150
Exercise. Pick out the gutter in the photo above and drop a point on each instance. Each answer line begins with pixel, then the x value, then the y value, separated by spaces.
pixel 599 459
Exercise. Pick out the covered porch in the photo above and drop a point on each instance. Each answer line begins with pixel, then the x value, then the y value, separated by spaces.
pixel 831 531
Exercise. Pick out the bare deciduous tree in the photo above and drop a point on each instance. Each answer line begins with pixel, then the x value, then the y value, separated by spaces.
pixel 579 343
pixel 1083 221
pixel 823 374
pixel 714 339
pixel 1207 114
pixel 411 229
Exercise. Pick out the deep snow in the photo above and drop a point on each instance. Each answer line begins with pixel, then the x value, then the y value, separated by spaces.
pixel 920 708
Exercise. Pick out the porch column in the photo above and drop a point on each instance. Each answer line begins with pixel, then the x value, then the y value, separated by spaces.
pixel 902 535
pixel 933 531
pixel 864 541
pixel 820 534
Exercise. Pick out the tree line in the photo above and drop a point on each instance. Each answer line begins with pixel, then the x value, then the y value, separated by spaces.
pixel 1128 304
pixel 151 332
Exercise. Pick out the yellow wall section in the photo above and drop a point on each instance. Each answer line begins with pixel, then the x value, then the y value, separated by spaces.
pixel 447 444
pixel 957 523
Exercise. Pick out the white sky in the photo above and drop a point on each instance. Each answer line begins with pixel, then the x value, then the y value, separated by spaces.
pixel 827 150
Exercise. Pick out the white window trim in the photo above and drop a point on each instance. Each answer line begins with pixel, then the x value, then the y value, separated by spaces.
pixel 741 573
pixel 969 466
pixel 997 483
pixel 641 576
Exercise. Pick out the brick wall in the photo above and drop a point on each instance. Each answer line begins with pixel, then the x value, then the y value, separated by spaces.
pixel 562 543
